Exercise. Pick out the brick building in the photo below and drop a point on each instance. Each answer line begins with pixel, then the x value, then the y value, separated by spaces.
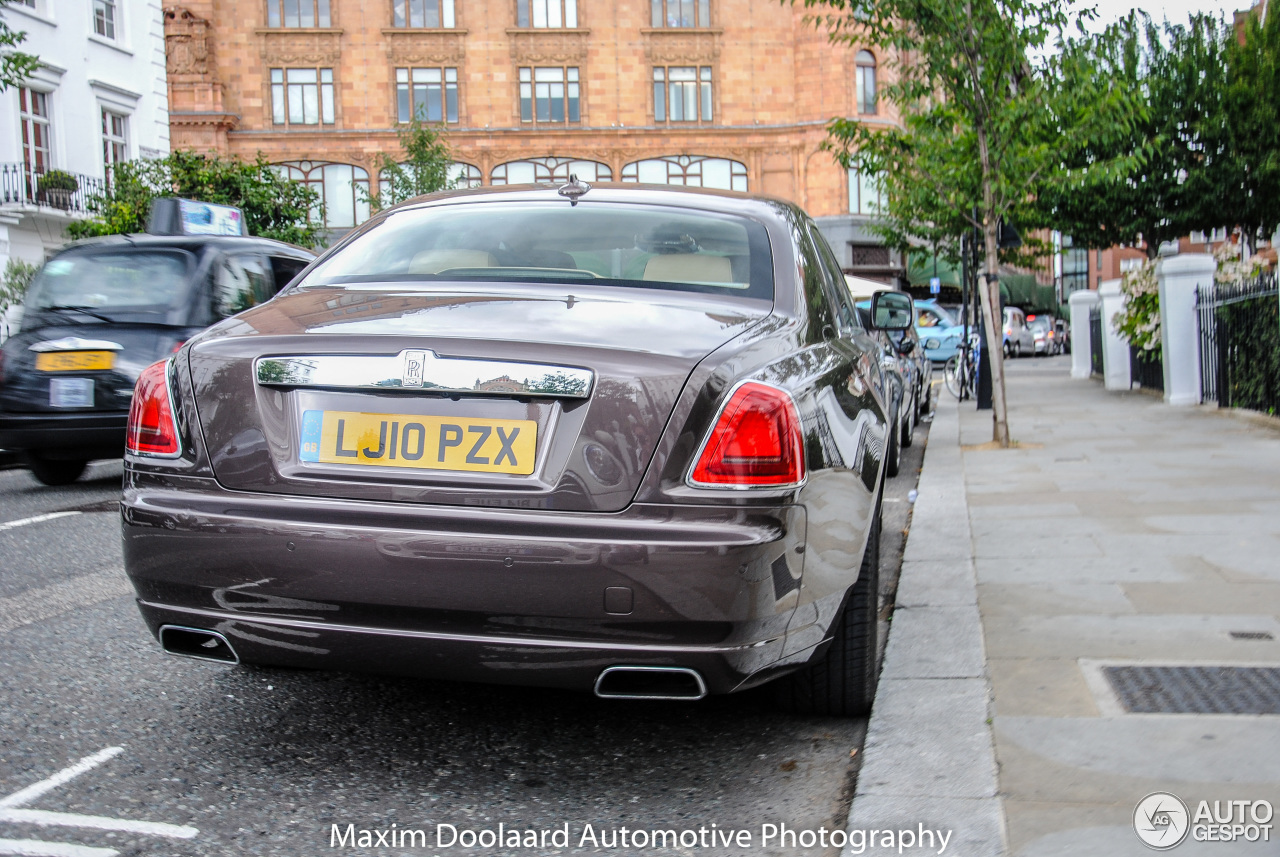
pixel 723 93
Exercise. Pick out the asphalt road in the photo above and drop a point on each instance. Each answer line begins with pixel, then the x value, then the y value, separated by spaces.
pixel 190 758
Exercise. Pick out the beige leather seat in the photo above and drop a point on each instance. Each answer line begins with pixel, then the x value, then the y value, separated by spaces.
pixel 689 268
pixel 435 261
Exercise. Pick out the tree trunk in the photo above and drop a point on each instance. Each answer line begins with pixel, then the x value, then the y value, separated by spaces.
pixel 989 291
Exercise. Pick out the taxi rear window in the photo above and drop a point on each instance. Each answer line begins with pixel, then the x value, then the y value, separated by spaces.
pixel 605 244
pixel 133 281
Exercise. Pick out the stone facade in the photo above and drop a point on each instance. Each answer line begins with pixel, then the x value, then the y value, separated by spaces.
pixel 776 81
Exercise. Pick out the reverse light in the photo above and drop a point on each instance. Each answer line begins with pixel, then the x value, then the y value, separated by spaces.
pixel 152 429
pixel 756 442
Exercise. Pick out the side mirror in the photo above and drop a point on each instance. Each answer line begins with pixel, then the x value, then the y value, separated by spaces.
pixel 891 310
pixel 906 346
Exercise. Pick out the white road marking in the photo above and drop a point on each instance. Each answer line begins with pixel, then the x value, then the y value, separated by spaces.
pixel 97 822
pixel 67 774
pixel 45 602
pixel 36 848
pixel 22 522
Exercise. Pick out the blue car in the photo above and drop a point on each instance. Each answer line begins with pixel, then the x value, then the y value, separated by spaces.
pixel 938 330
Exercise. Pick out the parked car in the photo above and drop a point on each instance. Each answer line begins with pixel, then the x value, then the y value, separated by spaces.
pixel 1018 338
pixel 902 359
pixel 668 386
pixel 1062 335
pixel 938 330
pixel 1045 335
pixel 100 311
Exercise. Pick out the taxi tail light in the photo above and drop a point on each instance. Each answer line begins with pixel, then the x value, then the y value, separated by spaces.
pixel 757 442
pixel 152 429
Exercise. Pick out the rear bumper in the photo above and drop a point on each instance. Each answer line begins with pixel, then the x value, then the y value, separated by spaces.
pixel 71 435
pixel 467 593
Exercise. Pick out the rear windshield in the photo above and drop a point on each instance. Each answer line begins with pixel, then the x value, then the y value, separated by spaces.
pixel 604 244
pixel 130 282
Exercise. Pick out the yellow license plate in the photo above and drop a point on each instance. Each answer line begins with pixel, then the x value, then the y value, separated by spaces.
pixel 75 361
pixel 424 443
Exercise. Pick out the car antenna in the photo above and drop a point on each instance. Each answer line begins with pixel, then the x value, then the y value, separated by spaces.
pixel 574 189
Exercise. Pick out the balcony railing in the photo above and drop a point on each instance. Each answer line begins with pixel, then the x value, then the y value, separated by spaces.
pixel 22 186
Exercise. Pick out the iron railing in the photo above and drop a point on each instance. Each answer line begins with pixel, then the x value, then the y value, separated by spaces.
pixel 1146 368
pixel 1240 343
pixel 20 185
pixel 1095 341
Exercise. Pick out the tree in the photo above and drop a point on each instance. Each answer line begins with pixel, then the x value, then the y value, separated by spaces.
pixel 1252 135
pixel 15 66
pixel 1170 166
pixel 977 134
pixel 425 168
pixel 274 206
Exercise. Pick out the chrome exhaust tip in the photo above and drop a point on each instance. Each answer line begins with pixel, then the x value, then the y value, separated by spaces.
pixel 197 643
pixel 679 683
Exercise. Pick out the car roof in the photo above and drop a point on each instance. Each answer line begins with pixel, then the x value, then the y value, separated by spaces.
pixel 193 243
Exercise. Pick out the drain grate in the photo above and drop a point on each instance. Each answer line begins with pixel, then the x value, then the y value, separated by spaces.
pixel 1196 690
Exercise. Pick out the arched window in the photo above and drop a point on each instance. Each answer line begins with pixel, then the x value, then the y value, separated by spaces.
pixel 549 170
pixel 343 188
pixel 865 82
pixel 690 170
pixel 461 176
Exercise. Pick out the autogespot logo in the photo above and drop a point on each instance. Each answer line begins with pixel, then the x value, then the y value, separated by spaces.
pixel 1161 820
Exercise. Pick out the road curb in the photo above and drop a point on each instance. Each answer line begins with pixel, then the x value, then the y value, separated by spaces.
pixel 929 757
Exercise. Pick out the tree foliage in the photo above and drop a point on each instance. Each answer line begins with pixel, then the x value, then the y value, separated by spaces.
pixel 15 66
pixel 978 128
pixel 425 168
pixel 1250 129
pixel 274 206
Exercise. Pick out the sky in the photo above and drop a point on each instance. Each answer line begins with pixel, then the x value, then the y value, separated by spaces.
pixel 1177 11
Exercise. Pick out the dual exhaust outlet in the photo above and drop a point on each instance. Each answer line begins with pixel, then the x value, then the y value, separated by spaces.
pixel 638 682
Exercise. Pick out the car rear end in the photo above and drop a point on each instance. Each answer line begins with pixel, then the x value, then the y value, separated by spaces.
pixel 521 445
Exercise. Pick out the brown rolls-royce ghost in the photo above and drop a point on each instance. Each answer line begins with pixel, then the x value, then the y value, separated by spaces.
pixel 619 438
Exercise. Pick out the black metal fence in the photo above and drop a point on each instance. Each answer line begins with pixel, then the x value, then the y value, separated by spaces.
pixel 1146 368
pixel 1095 340
pixel 53 188
pixel 1240 343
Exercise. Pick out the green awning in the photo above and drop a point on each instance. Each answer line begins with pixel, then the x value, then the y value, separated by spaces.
pixel 920 269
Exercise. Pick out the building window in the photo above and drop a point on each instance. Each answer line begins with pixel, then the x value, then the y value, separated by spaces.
pixel 343 191
pixel 1075 267
pixel 104 18
pixel 549 170
pixel 460 176
pixel 865 82
pixel 115 140
pixel 34 115
pixel 427 94
pixel 681 13
pixel 689 170
pixel 546 13
pixel 549 95
pixel 297 13
pixel 682 94
pixel 302 96
pixel 866 195
pixel 431 14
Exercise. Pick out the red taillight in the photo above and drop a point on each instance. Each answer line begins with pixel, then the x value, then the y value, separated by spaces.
pixel 756 442
pixel 152 429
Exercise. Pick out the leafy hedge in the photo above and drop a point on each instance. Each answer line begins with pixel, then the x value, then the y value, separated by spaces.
pixel 1249 353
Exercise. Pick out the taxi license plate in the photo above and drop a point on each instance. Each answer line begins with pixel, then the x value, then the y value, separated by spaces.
pixel 75 361
pixel 423 443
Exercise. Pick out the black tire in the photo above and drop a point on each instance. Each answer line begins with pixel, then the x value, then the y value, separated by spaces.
pixel 1008 351
pixel 1017 349
pixel 893 452
pixel 48 471
pixel 909 424
pixel 842 682
pixel 926 391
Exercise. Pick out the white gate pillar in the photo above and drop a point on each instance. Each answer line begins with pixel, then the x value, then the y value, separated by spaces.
pixel 1081 303
pixel 1179 278
pixel 1115 348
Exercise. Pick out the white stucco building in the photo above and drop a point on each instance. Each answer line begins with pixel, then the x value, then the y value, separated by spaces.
pixel 98 97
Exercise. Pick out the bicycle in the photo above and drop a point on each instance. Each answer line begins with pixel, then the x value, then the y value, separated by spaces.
pixel 961 370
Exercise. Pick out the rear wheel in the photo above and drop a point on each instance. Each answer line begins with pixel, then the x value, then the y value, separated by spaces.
pixel 909 424
pixel 842 683
pixel 56 472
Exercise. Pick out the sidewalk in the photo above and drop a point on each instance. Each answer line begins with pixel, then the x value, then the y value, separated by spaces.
pixel 1121 532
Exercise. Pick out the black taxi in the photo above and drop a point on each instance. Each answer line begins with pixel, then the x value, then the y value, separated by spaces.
pixel 101 311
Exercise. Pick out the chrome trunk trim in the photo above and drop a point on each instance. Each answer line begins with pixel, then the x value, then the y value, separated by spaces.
pixel 74 343
pixel 421 369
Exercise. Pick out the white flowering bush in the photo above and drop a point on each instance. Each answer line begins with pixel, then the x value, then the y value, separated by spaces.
pixel 1139 321
pixel 1232 268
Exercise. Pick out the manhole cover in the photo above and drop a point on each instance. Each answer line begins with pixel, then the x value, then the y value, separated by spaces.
pixel 1196 690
